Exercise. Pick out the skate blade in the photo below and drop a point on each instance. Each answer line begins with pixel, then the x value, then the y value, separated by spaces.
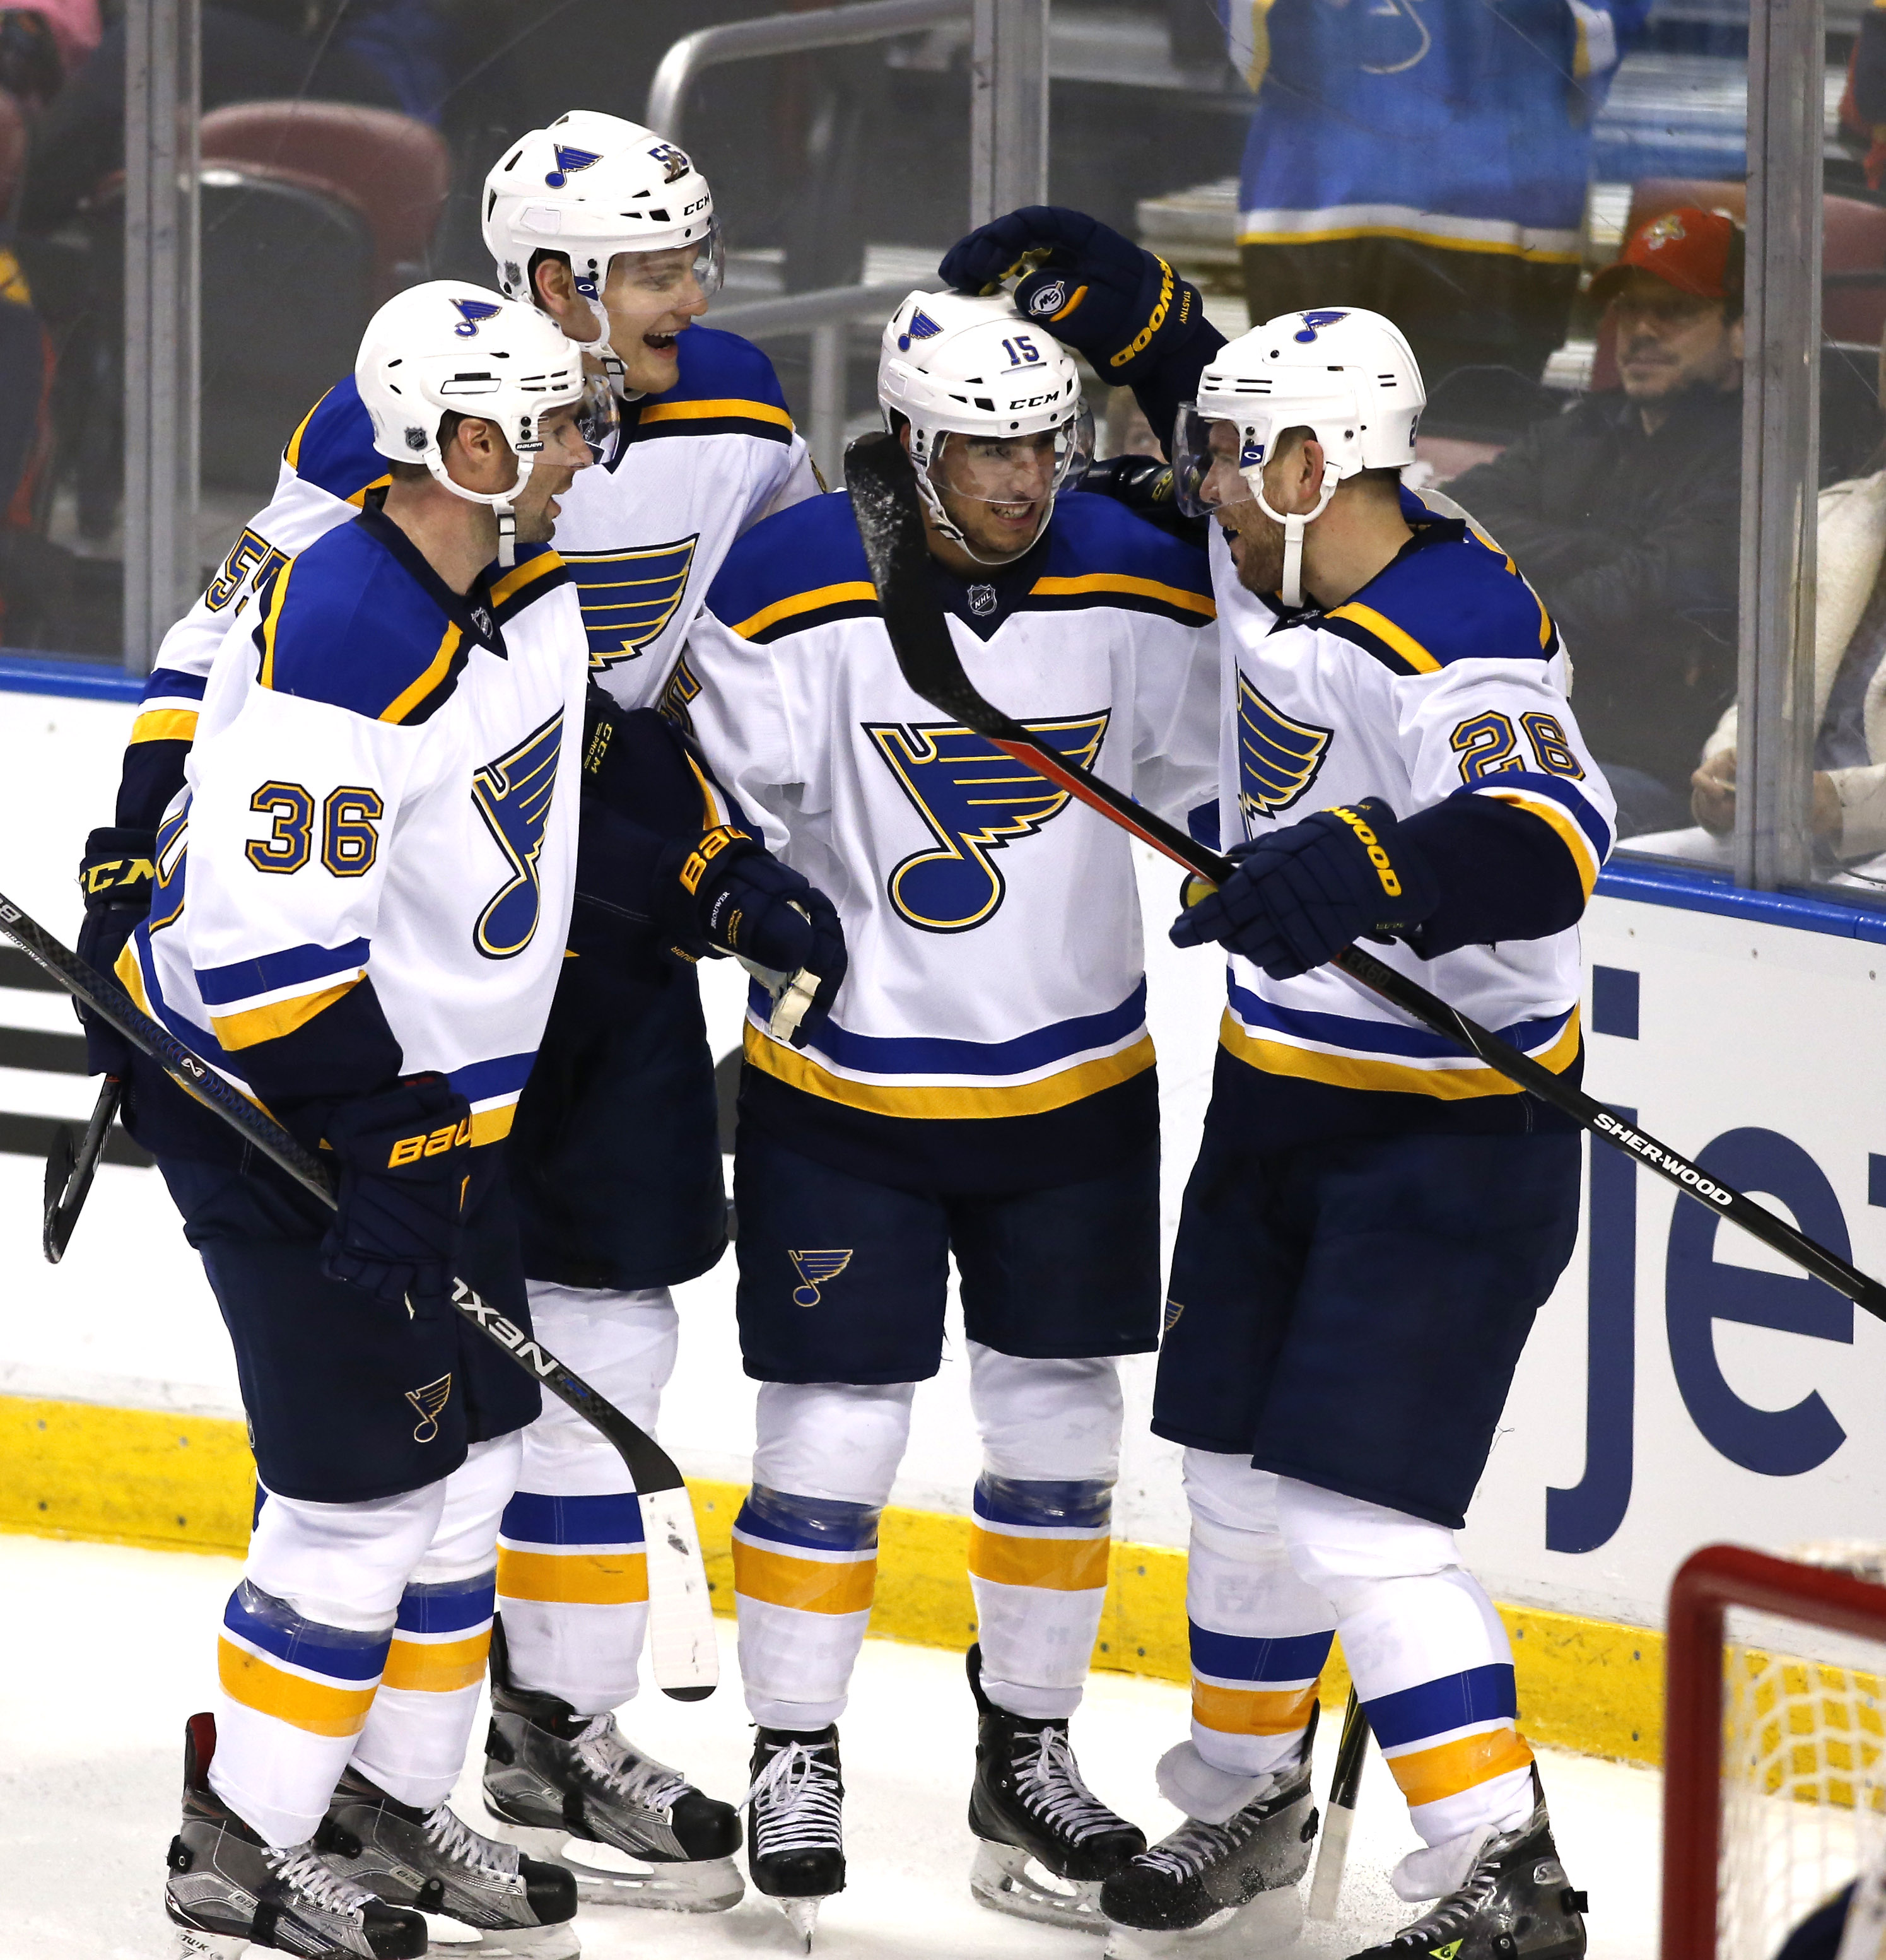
pixel 1268 1924
pixel 802 1914
pixel 607 1876
pixel 453 1937
pixel 1005 1879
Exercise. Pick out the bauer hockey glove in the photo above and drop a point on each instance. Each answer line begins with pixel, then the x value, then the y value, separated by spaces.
pixel 1302 893
pixel 732 893
pixel 117 875
pixel 405 1166
pixel 1122 307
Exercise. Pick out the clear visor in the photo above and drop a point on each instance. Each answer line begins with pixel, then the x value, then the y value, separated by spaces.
pixel 1209 457
pixel 598 416
pixel 1014 470
pixel 667 274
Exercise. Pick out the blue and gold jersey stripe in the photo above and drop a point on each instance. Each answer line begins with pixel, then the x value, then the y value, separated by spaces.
pixel 850 599
pixel 526 583
pixel 1123 590
pixel 722 415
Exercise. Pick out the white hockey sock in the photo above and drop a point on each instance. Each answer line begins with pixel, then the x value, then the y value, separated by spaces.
pixel 1431 1662
pixel 572 1575
pixel 1259 1635
pixel 414 1744
pixel 304 1642
pixel 805 1543
pixel 1039 1546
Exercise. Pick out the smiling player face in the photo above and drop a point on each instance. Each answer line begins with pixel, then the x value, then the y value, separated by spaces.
pixel 997 492
pixel 652 297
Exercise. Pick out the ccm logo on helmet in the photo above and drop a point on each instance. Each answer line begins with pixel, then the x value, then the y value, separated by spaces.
pixel 1385 870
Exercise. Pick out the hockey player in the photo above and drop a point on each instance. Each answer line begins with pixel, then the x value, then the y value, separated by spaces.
pixel 984 1087
pixel 362 894
pixel 1374 1218
pixel 611 231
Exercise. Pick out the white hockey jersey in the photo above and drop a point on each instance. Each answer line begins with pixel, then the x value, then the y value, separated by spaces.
pixel 383 789
pixel 992 923
pixel 1443 675
pixel 643 533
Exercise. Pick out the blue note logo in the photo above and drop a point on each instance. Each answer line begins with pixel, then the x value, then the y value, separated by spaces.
pixel 922 327
pixel 1278 758
pixel 430 1402
pixel 976 801
pixel 1314 322
pixel 815 1270
pixel 472 313
pixel 628 596
pixel 514 796
pixel 569 162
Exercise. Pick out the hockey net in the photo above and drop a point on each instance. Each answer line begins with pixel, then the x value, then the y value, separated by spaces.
pixel 1776 1738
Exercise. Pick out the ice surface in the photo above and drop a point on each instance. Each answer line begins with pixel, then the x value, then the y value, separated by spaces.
pixel 106 1650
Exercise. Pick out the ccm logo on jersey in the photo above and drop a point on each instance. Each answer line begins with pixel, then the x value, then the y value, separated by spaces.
pixel 430 1143
pixel 1385 870
pixel 716 841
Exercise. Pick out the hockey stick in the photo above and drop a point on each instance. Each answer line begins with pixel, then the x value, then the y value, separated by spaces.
pixel 1339 1813
pixel 68 1174
pixel 890 521
pixel 682 1650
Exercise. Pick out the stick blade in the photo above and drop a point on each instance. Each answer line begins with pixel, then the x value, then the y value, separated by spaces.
pixel 882 488
pixel 681 1647
pixel 56 1229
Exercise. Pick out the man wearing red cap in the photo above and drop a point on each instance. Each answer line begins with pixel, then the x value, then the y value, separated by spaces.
pixel 1625 513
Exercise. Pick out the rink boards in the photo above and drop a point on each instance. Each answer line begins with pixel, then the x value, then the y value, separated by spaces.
pixel 1681 1386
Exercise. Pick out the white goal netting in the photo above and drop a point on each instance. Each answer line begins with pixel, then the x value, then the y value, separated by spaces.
pixel 1804 1765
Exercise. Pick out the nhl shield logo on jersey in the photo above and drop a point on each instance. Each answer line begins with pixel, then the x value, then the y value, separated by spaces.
pixel 472 313
pixel 627 597
pixel 514 796
pixel 1278 758
pixel 975 800
pixel 569 162
pixel 816 1270
pixel 429 1401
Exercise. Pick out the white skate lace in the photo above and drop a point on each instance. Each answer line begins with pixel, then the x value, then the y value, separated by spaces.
pixel 452 1839
pixel 304 1870
pixel 641 1779
pixel 1456 1912
pixel 1049 1783
pixel 795 1803
pixel 1195 1844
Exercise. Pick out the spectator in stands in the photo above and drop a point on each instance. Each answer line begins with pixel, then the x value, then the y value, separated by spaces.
pixel 1849 683
pixel 1430 162
pixel 1625 513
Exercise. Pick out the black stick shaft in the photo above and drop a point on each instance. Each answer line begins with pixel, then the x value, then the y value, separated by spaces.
pixel 651 1467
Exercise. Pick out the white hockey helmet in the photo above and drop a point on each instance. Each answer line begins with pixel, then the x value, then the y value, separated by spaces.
pixel 954 364
pixel 1345 375
pixel 448 347
pixel 590 186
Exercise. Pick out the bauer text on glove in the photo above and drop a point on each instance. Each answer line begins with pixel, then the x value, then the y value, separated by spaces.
pixel 405 1166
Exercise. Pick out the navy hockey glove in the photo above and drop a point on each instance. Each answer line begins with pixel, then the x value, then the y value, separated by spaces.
pixel 1122 307
pixel 730 891
pixel 405 1165
pixel 117 875
pixel 1301 894
pixel 1144 485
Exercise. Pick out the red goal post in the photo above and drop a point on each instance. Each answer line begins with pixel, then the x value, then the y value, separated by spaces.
pixel 1707 1585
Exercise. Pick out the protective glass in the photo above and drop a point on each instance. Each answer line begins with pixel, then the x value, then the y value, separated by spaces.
pixel 598 417
pixel 1193 459
pixel 1014 469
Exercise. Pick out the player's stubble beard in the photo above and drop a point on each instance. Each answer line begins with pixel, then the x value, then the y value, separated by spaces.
pixel 1258 553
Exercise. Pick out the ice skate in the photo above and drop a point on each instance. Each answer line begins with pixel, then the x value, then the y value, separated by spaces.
pixel 1047 1841
pixel 572 1789
pixel 433 1861
pixel 1514 1904
pixel 795 1854
pixel 1228 1886
pixel 228 1892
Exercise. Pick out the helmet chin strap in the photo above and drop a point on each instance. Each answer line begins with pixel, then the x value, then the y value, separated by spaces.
pixel 501 503
pixel 1293 523
pixel 948 527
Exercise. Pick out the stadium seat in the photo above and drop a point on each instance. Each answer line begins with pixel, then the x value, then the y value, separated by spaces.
pixel 395 170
